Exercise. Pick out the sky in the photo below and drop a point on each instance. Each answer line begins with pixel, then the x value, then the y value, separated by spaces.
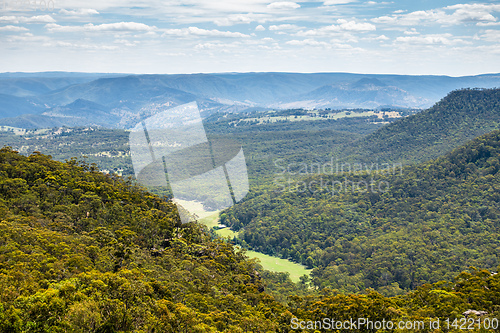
pixel 212 36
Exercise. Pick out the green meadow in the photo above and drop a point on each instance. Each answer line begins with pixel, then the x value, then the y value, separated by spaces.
pixel 280 265
pixel 274 264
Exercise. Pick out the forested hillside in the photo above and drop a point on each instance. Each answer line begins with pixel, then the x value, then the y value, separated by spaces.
pixel 81 251
pixel 459 117
pixel 418 224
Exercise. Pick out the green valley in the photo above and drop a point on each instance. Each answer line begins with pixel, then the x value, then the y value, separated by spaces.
pixel 271 263
pixel 405 226
pixel 428 222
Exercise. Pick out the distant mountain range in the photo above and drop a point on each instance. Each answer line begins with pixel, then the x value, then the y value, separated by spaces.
pixel 34 100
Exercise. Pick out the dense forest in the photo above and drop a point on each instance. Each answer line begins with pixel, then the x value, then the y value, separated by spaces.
pixel 425 224
pixel 86 252
pixel 81 251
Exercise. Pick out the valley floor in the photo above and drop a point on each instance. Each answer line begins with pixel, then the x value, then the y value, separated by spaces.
pixel 274 264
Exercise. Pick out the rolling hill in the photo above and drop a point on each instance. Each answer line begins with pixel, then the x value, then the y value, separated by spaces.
pixel 461 116
pixel 366 93
pixel 12 106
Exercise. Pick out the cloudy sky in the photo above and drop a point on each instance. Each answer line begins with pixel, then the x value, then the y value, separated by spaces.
pixel 191 36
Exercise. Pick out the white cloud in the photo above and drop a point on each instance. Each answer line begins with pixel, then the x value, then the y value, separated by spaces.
pixel 381 38
pixel 487 24
pixel 343 26
pixel 12 28
pixel 240 19
pixel 220 47
pixel 307 42
pixel 81 46
pixel 475 7
pixel 194 31
pixel 473 13
pixel 337 2
pixel 219 6
pixel 79 12
pixel 385 19
pixel 451 15
pixel 412 31
pixel 121 26
pixel 491 36
pixel 283 5
pixel 355 26
pixel 318 36
pixel 126 42
pixel 38 19
pixel 284 27
pixel 172 54
pixel 372 3
pixel 27 38
pixel 431 39
pixel 413 18
pixel 228 21
pixel 174 9
pixel 9 19
pixel 23 19
pixel 344 46
pixel 208 46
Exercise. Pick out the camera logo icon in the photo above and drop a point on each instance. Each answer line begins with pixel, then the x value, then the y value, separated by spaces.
pixel 171 150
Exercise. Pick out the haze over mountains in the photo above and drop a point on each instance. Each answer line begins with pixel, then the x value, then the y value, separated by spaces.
pixel 35 100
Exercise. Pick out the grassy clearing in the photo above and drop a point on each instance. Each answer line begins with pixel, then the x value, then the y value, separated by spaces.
pixel 210 221
pixel 275 264
pixel 226 232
